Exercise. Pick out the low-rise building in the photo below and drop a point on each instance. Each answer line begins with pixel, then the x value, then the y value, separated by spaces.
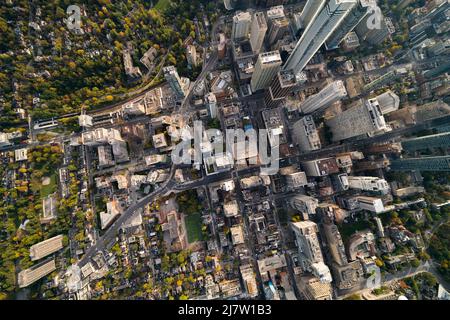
pixel 21 154
pixel 49 208
pixel 174 232
pixel 408 191
pixel 230 288
pixel 159 141
pixel 296 180
pixel 134 108
pixel 218 163
pixel 320 167
pixel 105 156
pixel 112 212
pixel 305 204
pixel 131 71
pixel 374 184
pixel 312 288
pixel 254 182
pixel 155 159
pixel 249 279
pixel 371 204
pixel 267 266
pixel 237 235
pixel 231 208
pixel 361 245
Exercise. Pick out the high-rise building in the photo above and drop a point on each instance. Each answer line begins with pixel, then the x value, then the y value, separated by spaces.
pixel 359 12
pixel 440 140
pixel 330 94
pixel 36 272
pixel 335 243
pixel 440 163
pixel 266 67
pixel 249 278
pixel 310 11
pixel 229 4
pixel 305 135
pixel 318 32
pixel 278 28
pixel 368 184
pixel 271 3
pixel 174 80
pixel 440 69
pixel 372 34
pixel 297 22
pixel 439 9
pixel 46 247
pixel 441 47
pixel 379 227
pixel 211 102
pixel 282 85
pixel 310 253
pixel 304 204
pixel 363 119
pixel 222 47
pixel 191 55
pixel 241 25
pixel 388 102
pixel 258 31
pixel 440 18
pixel 345 275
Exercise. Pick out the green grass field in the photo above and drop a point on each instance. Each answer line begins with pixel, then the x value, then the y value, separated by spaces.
pixel 162 5
pixel 194 227
pixel 44 191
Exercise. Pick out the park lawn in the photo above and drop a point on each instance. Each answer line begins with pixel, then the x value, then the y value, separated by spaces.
pixel 193 224
pixel 44 191
pixel 162 5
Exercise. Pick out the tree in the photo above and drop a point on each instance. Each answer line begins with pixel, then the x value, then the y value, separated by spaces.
pixel 379 263
pixel 415 263
pixel 181 257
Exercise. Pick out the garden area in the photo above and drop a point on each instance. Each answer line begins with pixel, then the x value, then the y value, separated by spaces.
pixel 348 229
pixel 162 5
pixel 45 186
pixel 439 249
pixel 193 224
